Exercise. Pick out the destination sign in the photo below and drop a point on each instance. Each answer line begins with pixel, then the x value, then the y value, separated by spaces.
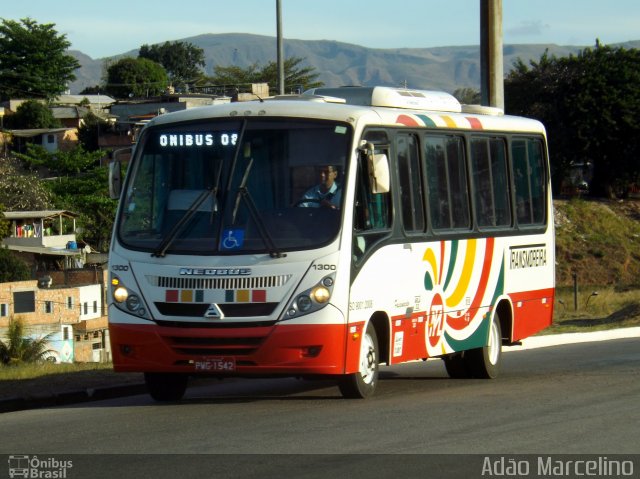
pixel 172 140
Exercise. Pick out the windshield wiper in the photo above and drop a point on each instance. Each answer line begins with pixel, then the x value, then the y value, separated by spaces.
pixel 161 251
pixel 243 193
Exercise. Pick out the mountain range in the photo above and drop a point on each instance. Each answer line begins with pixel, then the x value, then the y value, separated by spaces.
pixel 439 68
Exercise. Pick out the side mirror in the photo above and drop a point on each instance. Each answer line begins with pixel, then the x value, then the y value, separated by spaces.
pixel 378 168
pixel 115 173
pixel 115 179
pixel 379 171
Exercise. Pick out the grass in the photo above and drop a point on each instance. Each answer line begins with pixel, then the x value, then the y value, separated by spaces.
pixel 35 370
pixel 41 379
pixel 599 241
pixel 598 309
pixel 598 244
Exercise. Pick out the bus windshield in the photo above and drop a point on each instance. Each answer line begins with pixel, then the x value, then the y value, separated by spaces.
pixel 235 186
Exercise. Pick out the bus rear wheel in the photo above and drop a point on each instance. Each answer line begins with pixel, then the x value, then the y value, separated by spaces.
pixel 362 384
pixel 457 366
pixel 166 386
pixel 484 363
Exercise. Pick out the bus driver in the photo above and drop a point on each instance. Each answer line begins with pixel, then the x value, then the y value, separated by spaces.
pixel 328 193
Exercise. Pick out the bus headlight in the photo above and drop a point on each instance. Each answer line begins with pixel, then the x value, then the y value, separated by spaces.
pixel 127 300
pixel 303 302
pixel 118 291
pixel 312 299
pixel 321 294
pixel 133 302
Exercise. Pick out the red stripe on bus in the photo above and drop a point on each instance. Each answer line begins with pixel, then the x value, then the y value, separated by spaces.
pixel 475 123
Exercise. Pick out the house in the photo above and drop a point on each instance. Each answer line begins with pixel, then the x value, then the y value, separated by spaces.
pixel 69 116
pixel 96 103
pixel 51 139
pixel 134 112
pixel 45 237
pixel 73 317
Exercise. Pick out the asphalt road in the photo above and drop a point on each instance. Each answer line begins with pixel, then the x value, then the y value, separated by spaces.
pixel 567 399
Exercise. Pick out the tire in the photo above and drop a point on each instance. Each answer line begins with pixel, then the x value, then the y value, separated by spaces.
pixel 363 384
pixel 166 386
pixel 457 366
pixel 484 363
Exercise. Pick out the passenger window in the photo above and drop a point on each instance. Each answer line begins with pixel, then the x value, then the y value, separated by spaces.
pixel 490 180
pixel 410 183
pixel 529 181
pixel 447 182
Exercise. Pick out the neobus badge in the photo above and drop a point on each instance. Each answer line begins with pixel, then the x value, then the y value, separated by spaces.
pixel 215 271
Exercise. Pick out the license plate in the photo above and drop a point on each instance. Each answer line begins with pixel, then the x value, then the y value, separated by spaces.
pixel 224 365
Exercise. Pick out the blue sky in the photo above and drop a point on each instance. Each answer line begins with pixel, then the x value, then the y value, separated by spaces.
pixel 104 28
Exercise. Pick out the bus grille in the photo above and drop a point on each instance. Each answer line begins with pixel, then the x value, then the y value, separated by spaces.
pixel 230 310
pixel 251 282
pixel 215 346
pixel 227 343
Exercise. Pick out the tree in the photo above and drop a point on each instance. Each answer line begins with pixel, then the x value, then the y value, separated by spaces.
pixel 589 104
pixel 60 163
pixel 91 129
pixel 88 194
pixel 20 191
pixel 138 77
pixel 18 348
pixel 33 62
pixel 296 77
pixel 5 226
pixel 32 114
pixel 12 268
pixel 81 185
pixel 467 96
pixel 181 60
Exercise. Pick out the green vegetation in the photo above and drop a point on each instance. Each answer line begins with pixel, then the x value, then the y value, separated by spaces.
pixel 295 76
pixel 33 380
pixel 33 60
pixel 589 104
pixel 32 114
pixel 36 370
pixel 182 61
pixel 19 348
pixel 599 241
pixel 597 309
pixel 12 268
pixel 136 77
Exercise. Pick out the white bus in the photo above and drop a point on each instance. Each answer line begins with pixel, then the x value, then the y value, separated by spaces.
pixel 326 234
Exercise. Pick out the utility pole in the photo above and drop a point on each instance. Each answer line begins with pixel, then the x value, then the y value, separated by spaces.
pixel 491 56
pixel 280 49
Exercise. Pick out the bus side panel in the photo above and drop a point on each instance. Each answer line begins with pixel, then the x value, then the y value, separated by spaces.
pixel 440 297
pixel 532 312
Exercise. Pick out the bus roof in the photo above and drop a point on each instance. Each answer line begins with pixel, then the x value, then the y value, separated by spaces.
pixel 379 105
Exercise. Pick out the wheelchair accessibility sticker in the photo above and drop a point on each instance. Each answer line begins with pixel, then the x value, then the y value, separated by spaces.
pixel 232 238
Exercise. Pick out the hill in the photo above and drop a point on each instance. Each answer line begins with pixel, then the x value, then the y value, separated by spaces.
pixel 441 68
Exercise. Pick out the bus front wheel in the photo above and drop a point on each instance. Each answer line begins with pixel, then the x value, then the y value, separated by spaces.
pixel 362 384
pixel 166 386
